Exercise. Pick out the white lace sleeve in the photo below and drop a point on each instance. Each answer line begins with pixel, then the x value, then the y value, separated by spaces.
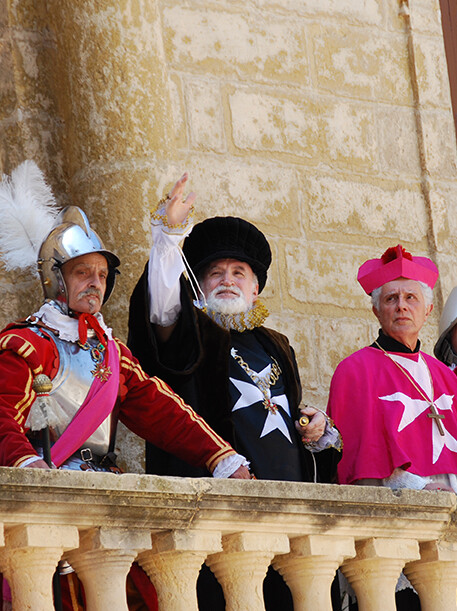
pixel 227 466
pixel 165 268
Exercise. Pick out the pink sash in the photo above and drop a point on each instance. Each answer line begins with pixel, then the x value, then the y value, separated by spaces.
pixel 97 406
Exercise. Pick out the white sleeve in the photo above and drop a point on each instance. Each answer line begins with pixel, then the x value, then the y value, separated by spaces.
pixel 404 479
pixel 165 269
pixel 227 466
pixel 29 461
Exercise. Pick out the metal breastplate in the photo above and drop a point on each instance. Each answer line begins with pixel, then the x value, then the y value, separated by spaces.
pixel 70 387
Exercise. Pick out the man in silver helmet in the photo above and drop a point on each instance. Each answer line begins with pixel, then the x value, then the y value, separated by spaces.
pixel 95 381
pixel 68 340
pixel 446 347
pixel 214 350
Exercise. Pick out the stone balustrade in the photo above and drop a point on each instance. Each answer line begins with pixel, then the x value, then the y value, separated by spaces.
pixel 102 522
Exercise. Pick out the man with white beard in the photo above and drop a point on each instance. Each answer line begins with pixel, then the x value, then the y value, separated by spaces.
pixel 214 350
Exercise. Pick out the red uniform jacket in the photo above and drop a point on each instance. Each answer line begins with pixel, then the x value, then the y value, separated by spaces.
pixel 149 407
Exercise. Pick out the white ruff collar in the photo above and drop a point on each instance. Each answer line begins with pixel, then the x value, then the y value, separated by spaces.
pixel 243 321
pixel 67 326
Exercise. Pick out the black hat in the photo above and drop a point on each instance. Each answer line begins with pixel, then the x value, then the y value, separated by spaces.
pixel 228 237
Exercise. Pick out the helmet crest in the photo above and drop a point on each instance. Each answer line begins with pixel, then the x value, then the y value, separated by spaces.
pixel 34 233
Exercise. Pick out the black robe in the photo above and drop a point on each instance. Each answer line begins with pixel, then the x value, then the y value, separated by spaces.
pixel 195 363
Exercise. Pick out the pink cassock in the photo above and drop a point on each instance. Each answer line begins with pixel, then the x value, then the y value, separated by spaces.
pixel 384 419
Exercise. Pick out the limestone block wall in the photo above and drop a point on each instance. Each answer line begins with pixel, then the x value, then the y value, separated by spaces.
pixel 328 123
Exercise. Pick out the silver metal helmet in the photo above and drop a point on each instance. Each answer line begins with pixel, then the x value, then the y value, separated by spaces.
pixel 71 237
pixel 443 349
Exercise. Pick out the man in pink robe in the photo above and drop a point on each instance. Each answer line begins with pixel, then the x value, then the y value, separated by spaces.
pixel 394 405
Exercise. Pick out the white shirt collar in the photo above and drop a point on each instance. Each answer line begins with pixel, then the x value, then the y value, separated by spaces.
pixel 67 326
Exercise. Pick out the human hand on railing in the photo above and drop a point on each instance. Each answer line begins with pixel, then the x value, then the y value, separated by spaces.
pixel 38 464
pixel 437 487
pixel 241 473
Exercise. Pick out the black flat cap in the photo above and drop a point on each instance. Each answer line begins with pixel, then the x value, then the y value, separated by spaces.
pixel 228 237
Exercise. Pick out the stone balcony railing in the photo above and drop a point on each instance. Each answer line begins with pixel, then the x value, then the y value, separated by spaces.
pixel 102 522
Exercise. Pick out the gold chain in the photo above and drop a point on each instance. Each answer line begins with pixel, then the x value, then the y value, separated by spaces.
pixel 263 384
pixel 434 412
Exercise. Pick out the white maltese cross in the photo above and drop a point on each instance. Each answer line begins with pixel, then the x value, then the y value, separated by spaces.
pixel 415 407
pixel 251 395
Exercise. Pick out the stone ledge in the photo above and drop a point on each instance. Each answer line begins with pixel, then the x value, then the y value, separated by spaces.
pixel 153 502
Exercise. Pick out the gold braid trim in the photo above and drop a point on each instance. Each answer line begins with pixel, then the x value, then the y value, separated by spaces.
pixel 19 461
pixel 243 321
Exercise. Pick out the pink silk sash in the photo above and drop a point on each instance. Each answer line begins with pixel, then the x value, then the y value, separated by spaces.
pixel 97 406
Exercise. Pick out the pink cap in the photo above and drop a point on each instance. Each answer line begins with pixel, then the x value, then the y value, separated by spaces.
pixel 395 263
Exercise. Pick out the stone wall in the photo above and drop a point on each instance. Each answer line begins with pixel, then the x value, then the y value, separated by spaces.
pixel 328 123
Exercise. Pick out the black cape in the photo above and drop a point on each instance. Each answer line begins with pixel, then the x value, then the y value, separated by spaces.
pixel 195 363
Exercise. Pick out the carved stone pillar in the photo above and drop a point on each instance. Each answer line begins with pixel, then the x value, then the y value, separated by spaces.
pixel 174 563
pixel 242 565
pixel 102 562
pixel 30 559
pixel 376 568
pixel 111 87
pixel 434 576
pixel 310 568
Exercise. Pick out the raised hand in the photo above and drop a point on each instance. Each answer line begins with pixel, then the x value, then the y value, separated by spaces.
pixel 177 209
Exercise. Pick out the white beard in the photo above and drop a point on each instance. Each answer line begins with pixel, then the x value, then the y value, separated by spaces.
pixel 223 305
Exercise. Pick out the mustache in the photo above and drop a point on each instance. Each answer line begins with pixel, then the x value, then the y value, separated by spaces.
pixel 222 289
pixel 94 292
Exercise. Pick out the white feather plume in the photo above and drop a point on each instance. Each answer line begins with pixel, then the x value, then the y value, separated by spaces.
pixel 28 212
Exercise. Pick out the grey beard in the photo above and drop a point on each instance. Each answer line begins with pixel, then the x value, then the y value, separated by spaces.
pixel 237 305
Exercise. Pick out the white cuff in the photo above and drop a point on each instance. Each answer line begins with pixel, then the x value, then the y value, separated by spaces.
pixel 227 466
pixel 29 461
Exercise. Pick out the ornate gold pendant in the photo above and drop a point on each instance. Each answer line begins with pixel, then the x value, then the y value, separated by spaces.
pixel 101 372
pixel 271 407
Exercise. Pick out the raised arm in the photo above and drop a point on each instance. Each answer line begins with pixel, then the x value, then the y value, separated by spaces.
pixel 170 225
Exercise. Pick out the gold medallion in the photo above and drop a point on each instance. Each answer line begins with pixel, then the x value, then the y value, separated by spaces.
pixel 101 372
